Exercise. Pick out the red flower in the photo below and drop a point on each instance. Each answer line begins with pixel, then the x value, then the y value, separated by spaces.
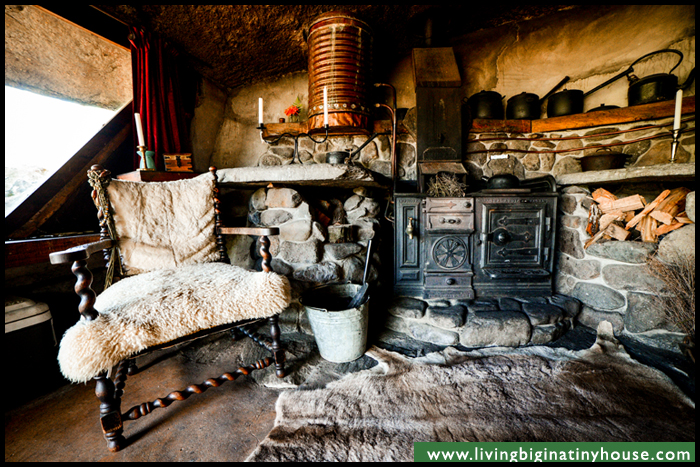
pixel 293 110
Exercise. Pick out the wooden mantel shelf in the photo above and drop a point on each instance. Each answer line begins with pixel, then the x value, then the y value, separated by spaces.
pixel 274 130
pixel 633 114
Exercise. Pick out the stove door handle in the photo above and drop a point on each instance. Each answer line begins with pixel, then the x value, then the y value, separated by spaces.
pixel 409 228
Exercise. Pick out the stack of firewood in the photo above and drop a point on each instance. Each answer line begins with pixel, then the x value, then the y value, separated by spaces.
pixel 611 217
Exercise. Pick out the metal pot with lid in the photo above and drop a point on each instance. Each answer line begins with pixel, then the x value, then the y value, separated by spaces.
pixel 486 104
pixel 527 105
pixel 503 181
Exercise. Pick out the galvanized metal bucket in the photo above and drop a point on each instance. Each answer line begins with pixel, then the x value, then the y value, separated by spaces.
pixel 341 333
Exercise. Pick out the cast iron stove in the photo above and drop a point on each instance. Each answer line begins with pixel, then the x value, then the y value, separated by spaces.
pixel 486 244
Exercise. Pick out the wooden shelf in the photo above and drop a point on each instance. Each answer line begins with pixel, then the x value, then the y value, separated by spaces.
pixel 156 176
pixel 274 130
pixel 633 114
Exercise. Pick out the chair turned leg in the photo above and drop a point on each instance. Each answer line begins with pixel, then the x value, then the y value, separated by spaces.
pixel 110 415
pixel 277 349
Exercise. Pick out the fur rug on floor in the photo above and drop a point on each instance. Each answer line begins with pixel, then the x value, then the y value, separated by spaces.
pixel 532 394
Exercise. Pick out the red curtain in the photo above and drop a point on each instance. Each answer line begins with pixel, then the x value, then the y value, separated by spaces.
pixel 157 95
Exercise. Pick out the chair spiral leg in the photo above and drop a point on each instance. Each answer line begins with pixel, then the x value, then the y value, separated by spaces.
pixel 141 410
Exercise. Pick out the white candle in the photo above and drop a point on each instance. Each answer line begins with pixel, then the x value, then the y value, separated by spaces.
pixel 325 106
pixel 677 115
pixel 260 111
pixel 139 129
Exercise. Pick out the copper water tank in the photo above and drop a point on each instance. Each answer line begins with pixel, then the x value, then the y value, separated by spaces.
pixel 340 58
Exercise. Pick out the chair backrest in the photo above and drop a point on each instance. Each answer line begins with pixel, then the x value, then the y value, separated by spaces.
pixel 164 224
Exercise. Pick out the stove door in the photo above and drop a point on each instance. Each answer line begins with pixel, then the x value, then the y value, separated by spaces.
pixel 515 236
pixel 408 270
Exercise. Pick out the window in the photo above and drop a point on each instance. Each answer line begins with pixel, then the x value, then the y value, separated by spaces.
pixel 41 134
pixel 64 55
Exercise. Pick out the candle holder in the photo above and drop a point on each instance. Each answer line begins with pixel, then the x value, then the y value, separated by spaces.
pixel 674 145
pixel 296 137
pixel 147 159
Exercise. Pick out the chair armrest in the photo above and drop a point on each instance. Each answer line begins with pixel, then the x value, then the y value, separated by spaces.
pixel 257 231
pixel 80 252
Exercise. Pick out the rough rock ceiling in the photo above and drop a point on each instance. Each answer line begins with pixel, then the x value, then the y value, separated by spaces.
pixel 235 45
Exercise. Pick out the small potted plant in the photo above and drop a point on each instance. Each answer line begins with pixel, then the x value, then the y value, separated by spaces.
pixel 293 111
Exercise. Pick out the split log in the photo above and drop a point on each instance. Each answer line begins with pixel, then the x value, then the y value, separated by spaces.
pixel 594 215
pixel 674 202
pixel 617 232
pixel 606 219
pixel 671 206
pixel 664 228
pixel 594 239
pixel 683 218
pixel 611 231
pixel 630 203
pixel 602 195
pixel 635 220
pixel 648 228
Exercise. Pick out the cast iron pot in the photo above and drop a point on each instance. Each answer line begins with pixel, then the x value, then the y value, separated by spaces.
pixel 486 104
pixel 527 105
pixel 603 161
pixel 523 106
pixel 567 102
pixel 503 181
pixel 603 107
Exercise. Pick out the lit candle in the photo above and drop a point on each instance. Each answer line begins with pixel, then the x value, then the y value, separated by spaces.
pixel 260 111
pixel 677 115
pixel 139 129
pixel 325 106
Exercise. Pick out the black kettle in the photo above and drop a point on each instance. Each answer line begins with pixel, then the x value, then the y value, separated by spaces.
pixel 656 87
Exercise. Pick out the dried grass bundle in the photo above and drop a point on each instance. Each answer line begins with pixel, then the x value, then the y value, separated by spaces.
pixel 446 185
pixel 679 277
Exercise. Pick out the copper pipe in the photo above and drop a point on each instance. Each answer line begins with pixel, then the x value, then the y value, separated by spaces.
pixel 394 124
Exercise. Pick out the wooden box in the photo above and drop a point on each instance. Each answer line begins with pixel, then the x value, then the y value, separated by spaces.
pixel 178 162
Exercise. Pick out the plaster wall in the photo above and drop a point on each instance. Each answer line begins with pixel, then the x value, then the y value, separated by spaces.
pixel 238 142
pixel 589 46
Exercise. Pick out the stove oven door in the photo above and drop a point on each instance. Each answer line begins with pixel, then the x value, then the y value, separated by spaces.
pixel 515 242
pixel 408 270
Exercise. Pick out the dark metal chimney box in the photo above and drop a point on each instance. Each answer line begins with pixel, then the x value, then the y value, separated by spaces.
pixel 438 111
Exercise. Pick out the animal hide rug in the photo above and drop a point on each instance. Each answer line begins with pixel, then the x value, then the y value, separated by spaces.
pixel 159 306
pixel 534 394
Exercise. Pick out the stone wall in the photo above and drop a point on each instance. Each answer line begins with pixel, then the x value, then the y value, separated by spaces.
pixel 556 153
pixel 302 251
pixel 376 156
pixel 510 322
pixel 611 279
pixel 529 155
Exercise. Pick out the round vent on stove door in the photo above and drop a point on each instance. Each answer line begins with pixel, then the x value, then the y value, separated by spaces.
pixel 450 252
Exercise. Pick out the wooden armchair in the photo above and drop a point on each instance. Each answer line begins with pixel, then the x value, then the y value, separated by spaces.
pixel 166 240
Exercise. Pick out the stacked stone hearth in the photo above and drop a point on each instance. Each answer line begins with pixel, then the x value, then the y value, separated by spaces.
pixel 506 321
pixel 302 251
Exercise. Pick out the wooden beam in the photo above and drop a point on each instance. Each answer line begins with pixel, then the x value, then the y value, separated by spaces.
pixel 37 251
pixel 483 125
pixel 636 113
pixel 633 114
